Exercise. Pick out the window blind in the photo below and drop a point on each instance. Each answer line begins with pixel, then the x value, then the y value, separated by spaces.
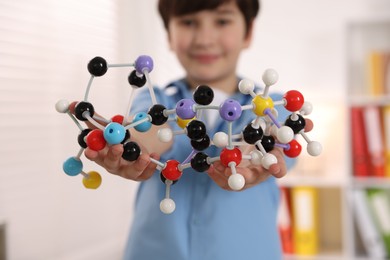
pixel 44 49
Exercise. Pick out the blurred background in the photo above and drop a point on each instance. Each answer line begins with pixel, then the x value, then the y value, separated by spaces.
pixel 45 46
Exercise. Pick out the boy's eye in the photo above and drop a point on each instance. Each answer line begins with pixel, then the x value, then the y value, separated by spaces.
pixel 187 22
pixel 223 22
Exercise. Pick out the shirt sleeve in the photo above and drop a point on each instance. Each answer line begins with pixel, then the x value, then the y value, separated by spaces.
pixel 141 102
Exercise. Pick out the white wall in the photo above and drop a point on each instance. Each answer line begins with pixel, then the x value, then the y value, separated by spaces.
pixel 50 215
pixel 44 49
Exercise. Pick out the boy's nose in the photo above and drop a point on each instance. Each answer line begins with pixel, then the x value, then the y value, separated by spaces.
pixel 204 35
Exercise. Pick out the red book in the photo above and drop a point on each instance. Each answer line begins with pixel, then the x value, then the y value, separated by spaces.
pixel 375 140
pixel 285 222
pixel 360 156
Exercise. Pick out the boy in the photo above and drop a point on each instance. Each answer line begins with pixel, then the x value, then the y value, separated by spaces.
pixel 209 222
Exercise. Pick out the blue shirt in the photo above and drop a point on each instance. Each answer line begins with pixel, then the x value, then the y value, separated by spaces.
pixel 209 223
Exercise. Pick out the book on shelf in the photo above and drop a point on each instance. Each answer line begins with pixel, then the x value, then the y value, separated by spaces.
pixel 360 158
pixel 370 140
pixel 379 72
pixel 368 136
pixel 386 131
pixel 285 221
pixel 304 201
pixel 380 208
pixel 386 75
pixel 366 227
pixel 374 137
pixel 370 123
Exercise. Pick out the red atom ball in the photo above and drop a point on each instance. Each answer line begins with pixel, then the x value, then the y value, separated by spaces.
pixel 230 155
pixel 72 106
pixel 294 100
pixel 117 119
pixel 171 170
pixel 95 140
pixel 294 150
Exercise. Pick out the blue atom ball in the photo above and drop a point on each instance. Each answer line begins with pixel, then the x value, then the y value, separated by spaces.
pixel 72 166
pixel 114 133
pixel 144 126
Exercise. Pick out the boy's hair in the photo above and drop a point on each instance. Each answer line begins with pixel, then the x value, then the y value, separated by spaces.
pixel 169 8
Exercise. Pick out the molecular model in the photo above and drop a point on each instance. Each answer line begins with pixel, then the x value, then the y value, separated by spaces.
pixel 265 132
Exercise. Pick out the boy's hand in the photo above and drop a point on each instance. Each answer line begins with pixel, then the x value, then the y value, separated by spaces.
pixel 111 159
pixel 253 174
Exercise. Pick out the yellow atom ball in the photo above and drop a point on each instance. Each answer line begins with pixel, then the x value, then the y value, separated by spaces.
pixel 93 180
pixel 183 122
pixel 260 104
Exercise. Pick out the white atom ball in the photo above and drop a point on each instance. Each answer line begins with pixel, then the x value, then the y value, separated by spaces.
pixel 314 148
pixel 236 181
pixel 306 109
pixel 62 106
pixel 165 135
pixel 268 160
pixel 246 86
pixel 256 157
pixel 270 77
pixel 285 134
pixel 220 139
pixel 167 206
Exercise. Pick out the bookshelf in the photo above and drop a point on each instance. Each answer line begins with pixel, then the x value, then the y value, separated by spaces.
pixel 368 69
pixel 326 174
pixel 337 184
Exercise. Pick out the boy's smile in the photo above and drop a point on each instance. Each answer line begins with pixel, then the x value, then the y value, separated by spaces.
pixel 205 58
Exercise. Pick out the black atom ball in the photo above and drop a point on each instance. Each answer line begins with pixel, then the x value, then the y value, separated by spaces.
pixel 136 81
pixel 131 151
pixel 163 179
pixel 196 130
pixel 201 144
pixel 203 95
pixel 251 134
pixel 199 162
pixel 97 66
pixel 127 137
pixel 81 137
pixel 157 114
pixel 82 107
pixel 268 143
pixel 296 125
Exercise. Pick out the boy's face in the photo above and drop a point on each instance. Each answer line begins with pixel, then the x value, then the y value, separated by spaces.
pixel 208 43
